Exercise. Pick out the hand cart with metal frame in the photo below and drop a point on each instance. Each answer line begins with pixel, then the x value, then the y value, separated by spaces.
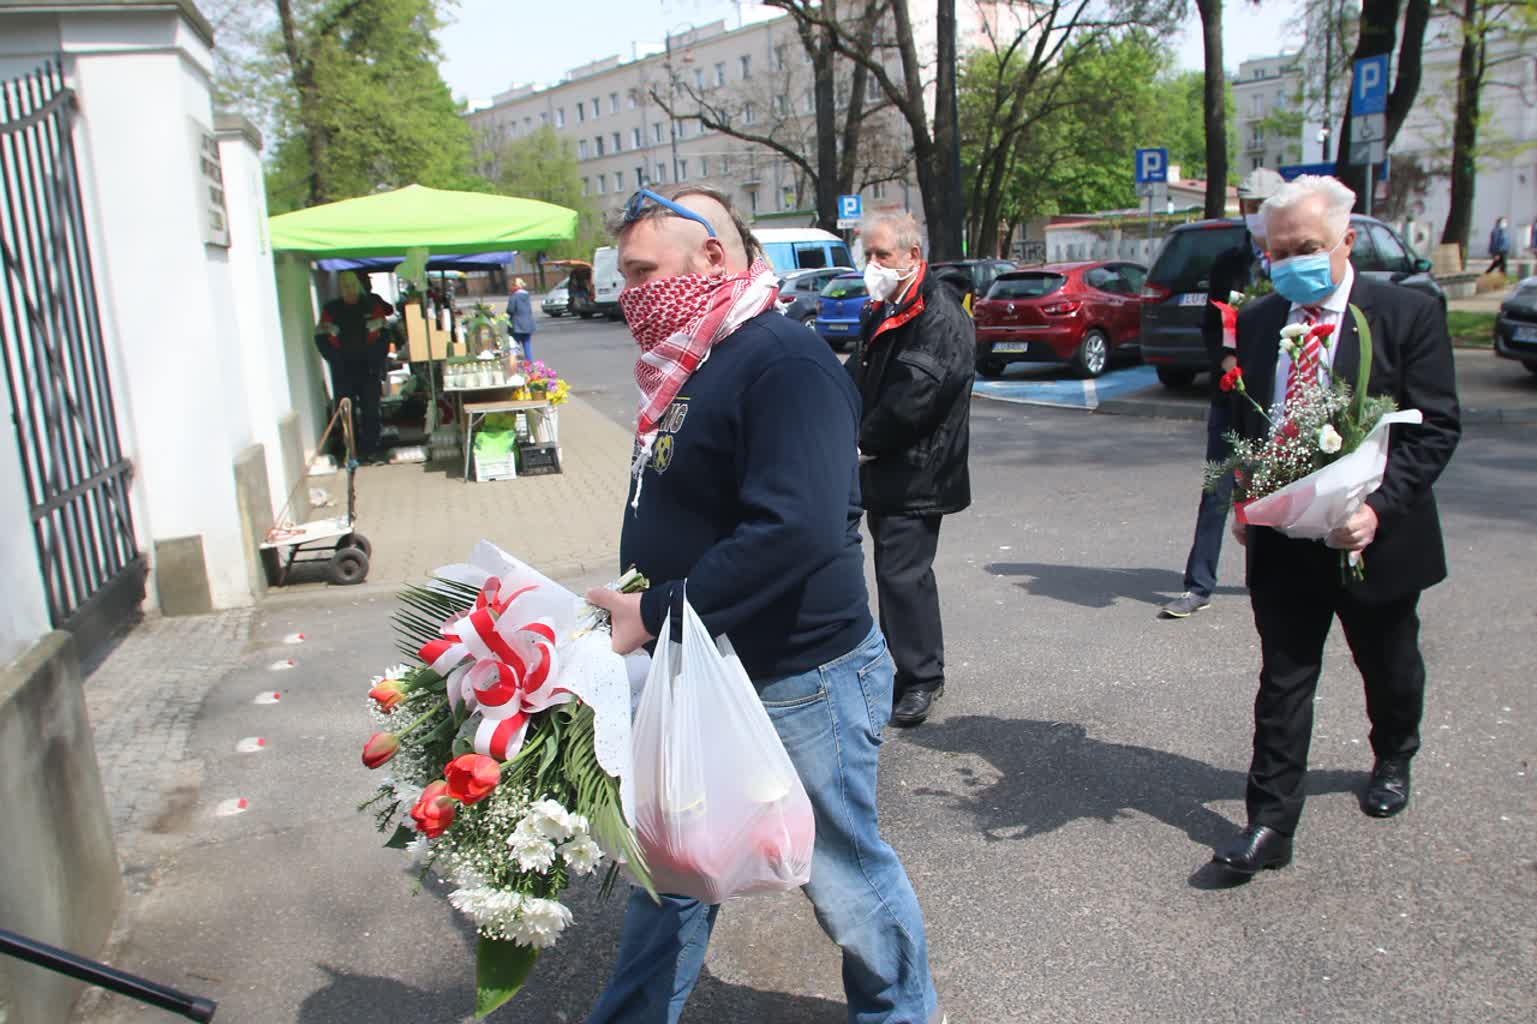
pixel 334 541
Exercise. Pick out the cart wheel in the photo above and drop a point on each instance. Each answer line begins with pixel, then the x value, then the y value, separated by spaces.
pixel 348 566
pixel 356 540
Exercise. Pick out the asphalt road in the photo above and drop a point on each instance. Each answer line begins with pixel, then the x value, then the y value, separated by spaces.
pixel 1055 813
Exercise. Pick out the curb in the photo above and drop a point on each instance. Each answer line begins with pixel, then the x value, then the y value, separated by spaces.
pixel 1166 410
pixel 318 592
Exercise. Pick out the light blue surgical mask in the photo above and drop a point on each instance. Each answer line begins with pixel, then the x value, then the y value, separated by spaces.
pixel 1306 280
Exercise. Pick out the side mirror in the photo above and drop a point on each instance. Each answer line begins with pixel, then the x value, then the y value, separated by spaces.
pixel 1422 265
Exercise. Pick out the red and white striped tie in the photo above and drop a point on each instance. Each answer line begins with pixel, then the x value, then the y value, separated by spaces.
pixel 1306 360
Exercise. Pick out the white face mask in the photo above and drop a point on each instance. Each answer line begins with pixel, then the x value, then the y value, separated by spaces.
pixel 1255 223
pixel 881 282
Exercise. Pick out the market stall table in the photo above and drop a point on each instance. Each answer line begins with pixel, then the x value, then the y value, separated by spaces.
pixel 475 412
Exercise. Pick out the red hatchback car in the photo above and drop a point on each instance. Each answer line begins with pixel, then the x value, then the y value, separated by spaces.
pixel 1081 314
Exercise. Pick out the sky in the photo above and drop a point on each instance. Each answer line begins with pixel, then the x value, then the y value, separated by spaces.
pixel 494 44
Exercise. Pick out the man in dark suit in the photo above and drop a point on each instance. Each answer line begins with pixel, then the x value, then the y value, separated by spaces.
pixel 1295 586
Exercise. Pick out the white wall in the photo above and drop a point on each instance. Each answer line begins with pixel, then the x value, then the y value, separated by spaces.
pixel 24 620
pixel 258 339
pixel 306 373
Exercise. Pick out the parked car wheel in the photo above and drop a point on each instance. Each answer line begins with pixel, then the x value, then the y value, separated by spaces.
pixel 810 322
pixel 1176 378
pixel 348 566
pixel 991 368
pixel 1093 354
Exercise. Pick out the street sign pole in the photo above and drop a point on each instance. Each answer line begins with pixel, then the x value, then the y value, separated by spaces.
pixel 1369 169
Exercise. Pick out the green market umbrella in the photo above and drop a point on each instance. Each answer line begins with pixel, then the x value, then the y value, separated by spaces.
pixel 439 221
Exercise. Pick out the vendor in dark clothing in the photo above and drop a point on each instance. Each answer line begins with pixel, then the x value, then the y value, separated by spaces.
pixel 351 339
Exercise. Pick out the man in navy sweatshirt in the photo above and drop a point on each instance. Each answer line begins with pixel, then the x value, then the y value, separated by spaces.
pixel 746 484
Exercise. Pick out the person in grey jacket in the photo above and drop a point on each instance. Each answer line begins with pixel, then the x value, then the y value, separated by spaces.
pixel 520 317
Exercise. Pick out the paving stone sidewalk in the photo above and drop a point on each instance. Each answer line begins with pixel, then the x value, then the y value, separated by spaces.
pixel 420 517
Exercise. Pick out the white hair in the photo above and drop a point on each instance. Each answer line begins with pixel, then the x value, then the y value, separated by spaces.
pixel 904 229
pixel 1338 200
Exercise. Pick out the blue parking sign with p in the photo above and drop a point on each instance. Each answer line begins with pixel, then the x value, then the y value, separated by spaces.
pixel 1152 165
pixel 851 207
pixel 1369 86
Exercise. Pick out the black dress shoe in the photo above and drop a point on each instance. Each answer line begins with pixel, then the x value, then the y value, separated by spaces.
pixel 913 706
pixel 1256 848
pixel 1388 791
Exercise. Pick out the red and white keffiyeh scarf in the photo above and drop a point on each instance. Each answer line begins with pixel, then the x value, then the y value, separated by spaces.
pixel 678 321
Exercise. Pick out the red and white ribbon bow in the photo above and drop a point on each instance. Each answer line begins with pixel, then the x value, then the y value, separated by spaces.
pixel 498 668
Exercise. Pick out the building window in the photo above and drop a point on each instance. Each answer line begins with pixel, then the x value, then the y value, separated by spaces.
pixel 618 181
pixel 699 78
pixel 746 60
pixel 602 184
pixel 598 142
pixel 581 149
pixel 704 167
pixel 752 200
pixel 841 94
pixel 720 74
pixel 656 132
pixel 810 102
pixel 613 103
pixel 615 140
pixel 560 117
pixel 586 187
pixel 682 129
pixel 725 165
pixel 661 172
pixel 749 115
pixel 640 177
pixel 682 170
pixel 779 57
pixel 528 125
pixel 581 112
pixel 597 108
pixel 544 118
pixel 634 138
pixel 632 99
pixel 782 105
pixel 872 88
pixel 878 190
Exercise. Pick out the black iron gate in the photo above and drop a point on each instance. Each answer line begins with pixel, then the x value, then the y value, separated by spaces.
pixel 77 478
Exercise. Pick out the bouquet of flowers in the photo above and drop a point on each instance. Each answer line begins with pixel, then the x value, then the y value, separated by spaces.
pixel 506 737
pixel 1322 459
pixel 543 378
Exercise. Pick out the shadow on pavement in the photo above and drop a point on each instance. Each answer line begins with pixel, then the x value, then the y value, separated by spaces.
pixel 1095 587
pixel 349 998
pixel 1051 774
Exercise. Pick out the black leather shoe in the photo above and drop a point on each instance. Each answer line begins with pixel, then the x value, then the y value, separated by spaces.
pixel 1388 791
pixel 1256 848
pixel 912 708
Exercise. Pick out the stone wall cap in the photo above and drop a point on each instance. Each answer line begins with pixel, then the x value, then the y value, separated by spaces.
pixel 188 8
pixel 237 124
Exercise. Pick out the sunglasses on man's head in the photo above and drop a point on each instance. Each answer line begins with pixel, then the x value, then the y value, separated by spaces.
pixel 635 209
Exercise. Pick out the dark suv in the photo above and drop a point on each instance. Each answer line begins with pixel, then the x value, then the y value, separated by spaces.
pixel 1175 293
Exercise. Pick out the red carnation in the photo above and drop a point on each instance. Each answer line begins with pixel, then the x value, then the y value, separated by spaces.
pixel 1320 332
pixel 1232 379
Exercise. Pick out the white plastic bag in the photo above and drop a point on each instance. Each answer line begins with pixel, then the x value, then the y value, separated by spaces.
pixel 719 808
pixel 1307 509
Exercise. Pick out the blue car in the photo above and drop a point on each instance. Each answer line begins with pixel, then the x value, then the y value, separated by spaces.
pixel 840 308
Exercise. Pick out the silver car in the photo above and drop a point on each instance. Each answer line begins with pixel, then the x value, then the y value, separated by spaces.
pixel 557 302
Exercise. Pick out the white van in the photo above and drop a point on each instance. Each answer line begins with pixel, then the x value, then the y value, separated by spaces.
pixel 790 249
pixel 607 282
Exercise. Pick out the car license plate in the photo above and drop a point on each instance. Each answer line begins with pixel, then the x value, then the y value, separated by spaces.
pixel 1526 334
pixel 837 327
pixel 1011 346
pixel 1193 299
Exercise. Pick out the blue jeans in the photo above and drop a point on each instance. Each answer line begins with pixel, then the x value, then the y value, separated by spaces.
pixel 1201 567
pixel 526 342
pixel 830 720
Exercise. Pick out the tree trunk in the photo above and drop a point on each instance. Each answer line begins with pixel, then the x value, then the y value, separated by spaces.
pixel 1216 109
pixel 1379 31
pixel 947 230
pixel 1459 218
pixel 824 96
pixel 303 73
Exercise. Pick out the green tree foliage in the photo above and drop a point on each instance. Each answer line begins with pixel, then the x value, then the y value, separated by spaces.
pixel 352 93
pixel 1114 94
pixel 544 166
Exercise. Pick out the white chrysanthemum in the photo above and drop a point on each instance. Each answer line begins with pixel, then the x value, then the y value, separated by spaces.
pixel 530 847
pixel 540 922
pixel 581 855
pixel 554 820
pixel 397 672
pixel 418 849
pixel 1235 298
pixel 1294 330
pixel 1329 439
pixel 491 909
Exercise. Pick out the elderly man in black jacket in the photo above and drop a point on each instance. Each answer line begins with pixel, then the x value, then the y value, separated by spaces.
pixel 1295 586
pixel 914 371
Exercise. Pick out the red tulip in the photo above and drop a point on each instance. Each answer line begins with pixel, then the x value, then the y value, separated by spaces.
pixel 434 810
pixel 471 777
pixel 389 694
pixel 381 746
